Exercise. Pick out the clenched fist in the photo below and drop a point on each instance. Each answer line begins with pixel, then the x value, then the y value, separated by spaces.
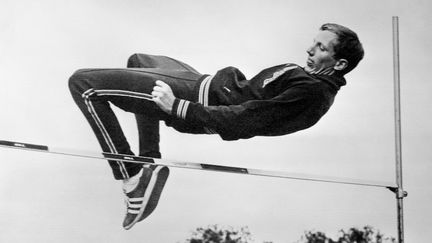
pixel 163 96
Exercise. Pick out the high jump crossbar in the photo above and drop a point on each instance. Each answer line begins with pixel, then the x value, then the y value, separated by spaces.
pixel 197 166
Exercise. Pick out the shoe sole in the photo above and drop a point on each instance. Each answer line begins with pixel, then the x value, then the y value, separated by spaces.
pixel 151 194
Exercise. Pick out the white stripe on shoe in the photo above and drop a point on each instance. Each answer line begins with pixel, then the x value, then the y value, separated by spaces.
pixel 135 206
pixel 131 211
pixel 145 199
pixel 136 199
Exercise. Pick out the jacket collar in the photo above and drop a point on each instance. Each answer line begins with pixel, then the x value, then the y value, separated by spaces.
pixel 333 79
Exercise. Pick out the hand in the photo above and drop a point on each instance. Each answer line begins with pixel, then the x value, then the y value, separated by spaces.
pixel 163 96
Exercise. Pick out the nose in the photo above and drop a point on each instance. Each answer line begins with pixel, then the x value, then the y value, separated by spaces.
pixel 310 51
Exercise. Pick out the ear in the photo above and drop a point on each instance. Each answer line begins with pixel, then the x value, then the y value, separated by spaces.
pixel 341 64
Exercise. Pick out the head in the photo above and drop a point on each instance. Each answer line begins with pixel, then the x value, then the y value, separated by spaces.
pixel 335 49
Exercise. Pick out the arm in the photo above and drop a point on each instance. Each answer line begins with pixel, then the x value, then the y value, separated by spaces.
pixel 295 109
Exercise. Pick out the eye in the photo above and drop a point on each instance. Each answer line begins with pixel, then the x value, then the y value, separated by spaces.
pixel 321 47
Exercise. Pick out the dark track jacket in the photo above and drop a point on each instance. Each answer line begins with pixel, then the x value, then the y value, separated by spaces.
pixel 279 100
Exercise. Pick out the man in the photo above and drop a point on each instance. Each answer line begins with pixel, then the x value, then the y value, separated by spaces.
pixel 279 100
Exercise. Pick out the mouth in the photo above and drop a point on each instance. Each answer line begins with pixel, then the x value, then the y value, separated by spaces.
pixel 309 62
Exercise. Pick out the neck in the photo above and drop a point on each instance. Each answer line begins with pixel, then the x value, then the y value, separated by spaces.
pixel 323 71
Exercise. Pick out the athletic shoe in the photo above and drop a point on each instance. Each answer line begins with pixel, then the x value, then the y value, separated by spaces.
pixel 142 201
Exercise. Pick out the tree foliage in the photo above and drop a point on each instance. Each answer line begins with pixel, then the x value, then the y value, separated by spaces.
pixel 354 235
pixel 218 234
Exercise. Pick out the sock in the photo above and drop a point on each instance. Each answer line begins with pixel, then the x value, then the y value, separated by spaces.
pixel 131 183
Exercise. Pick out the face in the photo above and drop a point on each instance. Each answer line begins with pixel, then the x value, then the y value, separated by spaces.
pixel 320 54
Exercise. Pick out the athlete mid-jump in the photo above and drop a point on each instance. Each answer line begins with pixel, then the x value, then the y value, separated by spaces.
pixel 279 100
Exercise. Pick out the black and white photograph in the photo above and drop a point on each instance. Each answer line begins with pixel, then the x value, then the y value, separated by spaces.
pixel 215 121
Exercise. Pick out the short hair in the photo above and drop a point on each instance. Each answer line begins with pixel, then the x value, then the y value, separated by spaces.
pixel 348 46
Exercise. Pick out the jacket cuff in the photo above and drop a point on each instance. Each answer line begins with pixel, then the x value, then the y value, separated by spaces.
pixel 180 108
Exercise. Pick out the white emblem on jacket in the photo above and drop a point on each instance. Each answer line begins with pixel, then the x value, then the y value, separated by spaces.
pixel 277 74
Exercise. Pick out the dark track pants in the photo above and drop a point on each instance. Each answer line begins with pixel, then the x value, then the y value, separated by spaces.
pixel 95 89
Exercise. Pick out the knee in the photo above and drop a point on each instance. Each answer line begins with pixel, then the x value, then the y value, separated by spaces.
pixel 76 81
pixel 141 60
pixel 133 61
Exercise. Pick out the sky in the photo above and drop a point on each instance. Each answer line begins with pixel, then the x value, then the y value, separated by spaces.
pixel 52 198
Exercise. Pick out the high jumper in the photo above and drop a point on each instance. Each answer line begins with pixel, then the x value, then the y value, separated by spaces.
pixel 277 101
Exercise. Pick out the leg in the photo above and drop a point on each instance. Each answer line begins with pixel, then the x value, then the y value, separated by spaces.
pixel 94 90
pixel 148 134
pixel 151 61
pixel 148 127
